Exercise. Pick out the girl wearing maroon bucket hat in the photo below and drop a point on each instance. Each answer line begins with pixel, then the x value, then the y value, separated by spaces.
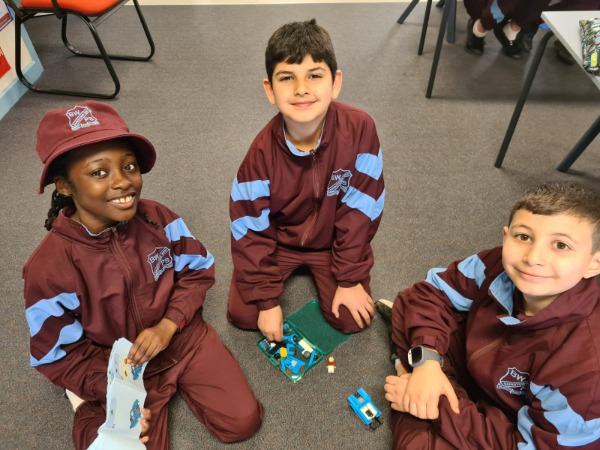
pixel 114 265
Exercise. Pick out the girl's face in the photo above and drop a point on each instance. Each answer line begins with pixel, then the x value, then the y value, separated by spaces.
pixel 105 184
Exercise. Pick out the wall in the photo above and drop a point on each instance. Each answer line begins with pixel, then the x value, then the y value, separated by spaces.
pixel 11 89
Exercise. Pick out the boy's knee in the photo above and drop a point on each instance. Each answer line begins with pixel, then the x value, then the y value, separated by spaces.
pixel 345 323
pixel 242 321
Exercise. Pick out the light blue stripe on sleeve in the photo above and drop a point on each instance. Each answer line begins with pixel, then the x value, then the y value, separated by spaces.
pixel 366 204
pixel 573 430
pixel 68 335
pixel 370 164
pixel 460 302
pixel 473 268
pixel 37 314
pixel 176 230
pixel 240 227
pixel 194 262
pixel 250 190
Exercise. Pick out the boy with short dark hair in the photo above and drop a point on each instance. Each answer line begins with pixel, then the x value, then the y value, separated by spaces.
pixel 309 192
pixel 502 350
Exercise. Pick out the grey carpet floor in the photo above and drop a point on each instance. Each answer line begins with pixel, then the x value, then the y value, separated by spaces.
pixel 201 102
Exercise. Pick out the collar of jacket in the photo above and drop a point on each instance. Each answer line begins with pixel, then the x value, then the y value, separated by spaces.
pixel 328 127
pixel 74 231
pixel 573 305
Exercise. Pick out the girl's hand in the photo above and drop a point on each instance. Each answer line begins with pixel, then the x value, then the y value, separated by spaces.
pixel 151 341
pixel 145 422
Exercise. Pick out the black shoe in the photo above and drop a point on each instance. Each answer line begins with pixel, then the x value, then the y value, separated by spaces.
pixel 440 4
pixel 474 44
pixel 384 308
pixel 525 39
pixel 562 53
pixel 512 49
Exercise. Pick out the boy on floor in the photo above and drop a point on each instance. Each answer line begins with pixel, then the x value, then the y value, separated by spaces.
pixel 501 350
pixel 309 192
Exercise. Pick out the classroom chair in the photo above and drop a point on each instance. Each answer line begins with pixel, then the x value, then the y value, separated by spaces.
pixel 92 13
pixel 449 9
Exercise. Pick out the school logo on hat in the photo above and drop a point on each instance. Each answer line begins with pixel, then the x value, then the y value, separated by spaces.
pixel 81 117
pixel 160 260
pixel 514 381
pixel 340 180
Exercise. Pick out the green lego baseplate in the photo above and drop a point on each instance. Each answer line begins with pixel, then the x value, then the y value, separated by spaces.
pixel 307 338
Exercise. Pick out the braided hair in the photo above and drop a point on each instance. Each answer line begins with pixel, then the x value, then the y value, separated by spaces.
pixel 58 169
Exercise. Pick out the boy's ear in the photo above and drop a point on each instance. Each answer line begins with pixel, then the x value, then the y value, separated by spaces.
pixel 504 233
pixel 594 267
pixel 269 91
pixel 337 84
pixel 62 187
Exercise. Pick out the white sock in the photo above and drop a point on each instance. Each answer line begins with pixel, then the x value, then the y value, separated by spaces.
pixel 74 399
pixel 476 32
pixel 509 32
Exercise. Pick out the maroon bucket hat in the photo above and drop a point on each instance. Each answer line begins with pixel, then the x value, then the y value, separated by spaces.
pixel 62 130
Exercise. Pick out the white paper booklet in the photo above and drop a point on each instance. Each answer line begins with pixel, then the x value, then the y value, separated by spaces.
pixel 124 402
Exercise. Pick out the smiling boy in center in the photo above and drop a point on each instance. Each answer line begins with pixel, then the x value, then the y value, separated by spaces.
pixel 309 192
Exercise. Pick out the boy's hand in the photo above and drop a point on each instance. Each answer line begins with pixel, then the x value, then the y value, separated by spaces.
pixel 145 422
pixel 359 303
pixel 423 390
pixel 151 341
pixel 270 323
pixel 395 387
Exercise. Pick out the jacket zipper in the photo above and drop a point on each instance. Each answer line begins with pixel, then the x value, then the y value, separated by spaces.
pixel 313 219
pixel 118 251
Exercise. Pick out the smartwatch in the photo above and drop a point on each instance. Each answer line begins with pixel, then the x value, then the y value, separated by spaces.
pixel 419 354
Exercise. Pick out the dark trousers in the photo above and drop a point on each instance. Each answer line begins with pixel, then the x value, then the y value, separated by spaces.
pixel 494 12
pixel 210 381
pixel 245 315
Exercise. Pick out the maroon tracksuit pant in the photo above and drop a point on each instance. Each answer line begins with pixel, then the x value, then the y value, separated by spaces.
pixel 210 381
pixel 245 315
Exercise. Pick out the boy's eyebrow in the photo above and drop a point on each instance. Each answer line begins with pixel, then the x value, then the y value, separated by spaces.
pixel 291 72
pixel 558 234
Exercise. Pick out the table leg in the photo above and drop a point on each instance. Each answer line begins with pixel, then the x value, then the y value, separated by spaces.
pixel 522 97
pixel 581 145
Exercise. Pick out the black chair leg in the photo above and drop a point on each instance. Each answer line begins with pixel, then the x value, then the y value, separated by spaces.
pixel 451 34
pixel 407 11
pixel 451 37
pixel 438 48
pixel 72 49
pixel 522 97
pixel 581 145
pixel 424 27
pixel 35 88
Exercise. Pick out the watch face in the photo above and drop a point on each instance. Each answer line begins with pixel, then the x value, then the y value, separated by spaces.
pixel 416 355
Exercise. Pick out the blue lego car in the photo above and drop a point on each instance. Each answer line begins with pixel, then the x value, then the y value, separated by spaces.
pixel 364 408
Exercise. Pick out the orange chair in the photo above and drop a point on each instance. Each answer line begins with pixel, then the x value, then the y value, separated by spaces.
pixel 92 13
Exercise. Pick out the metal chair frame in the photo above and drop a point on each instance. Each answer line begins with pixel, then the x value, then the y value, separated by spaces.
pixel 449 9
pixel 23 14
